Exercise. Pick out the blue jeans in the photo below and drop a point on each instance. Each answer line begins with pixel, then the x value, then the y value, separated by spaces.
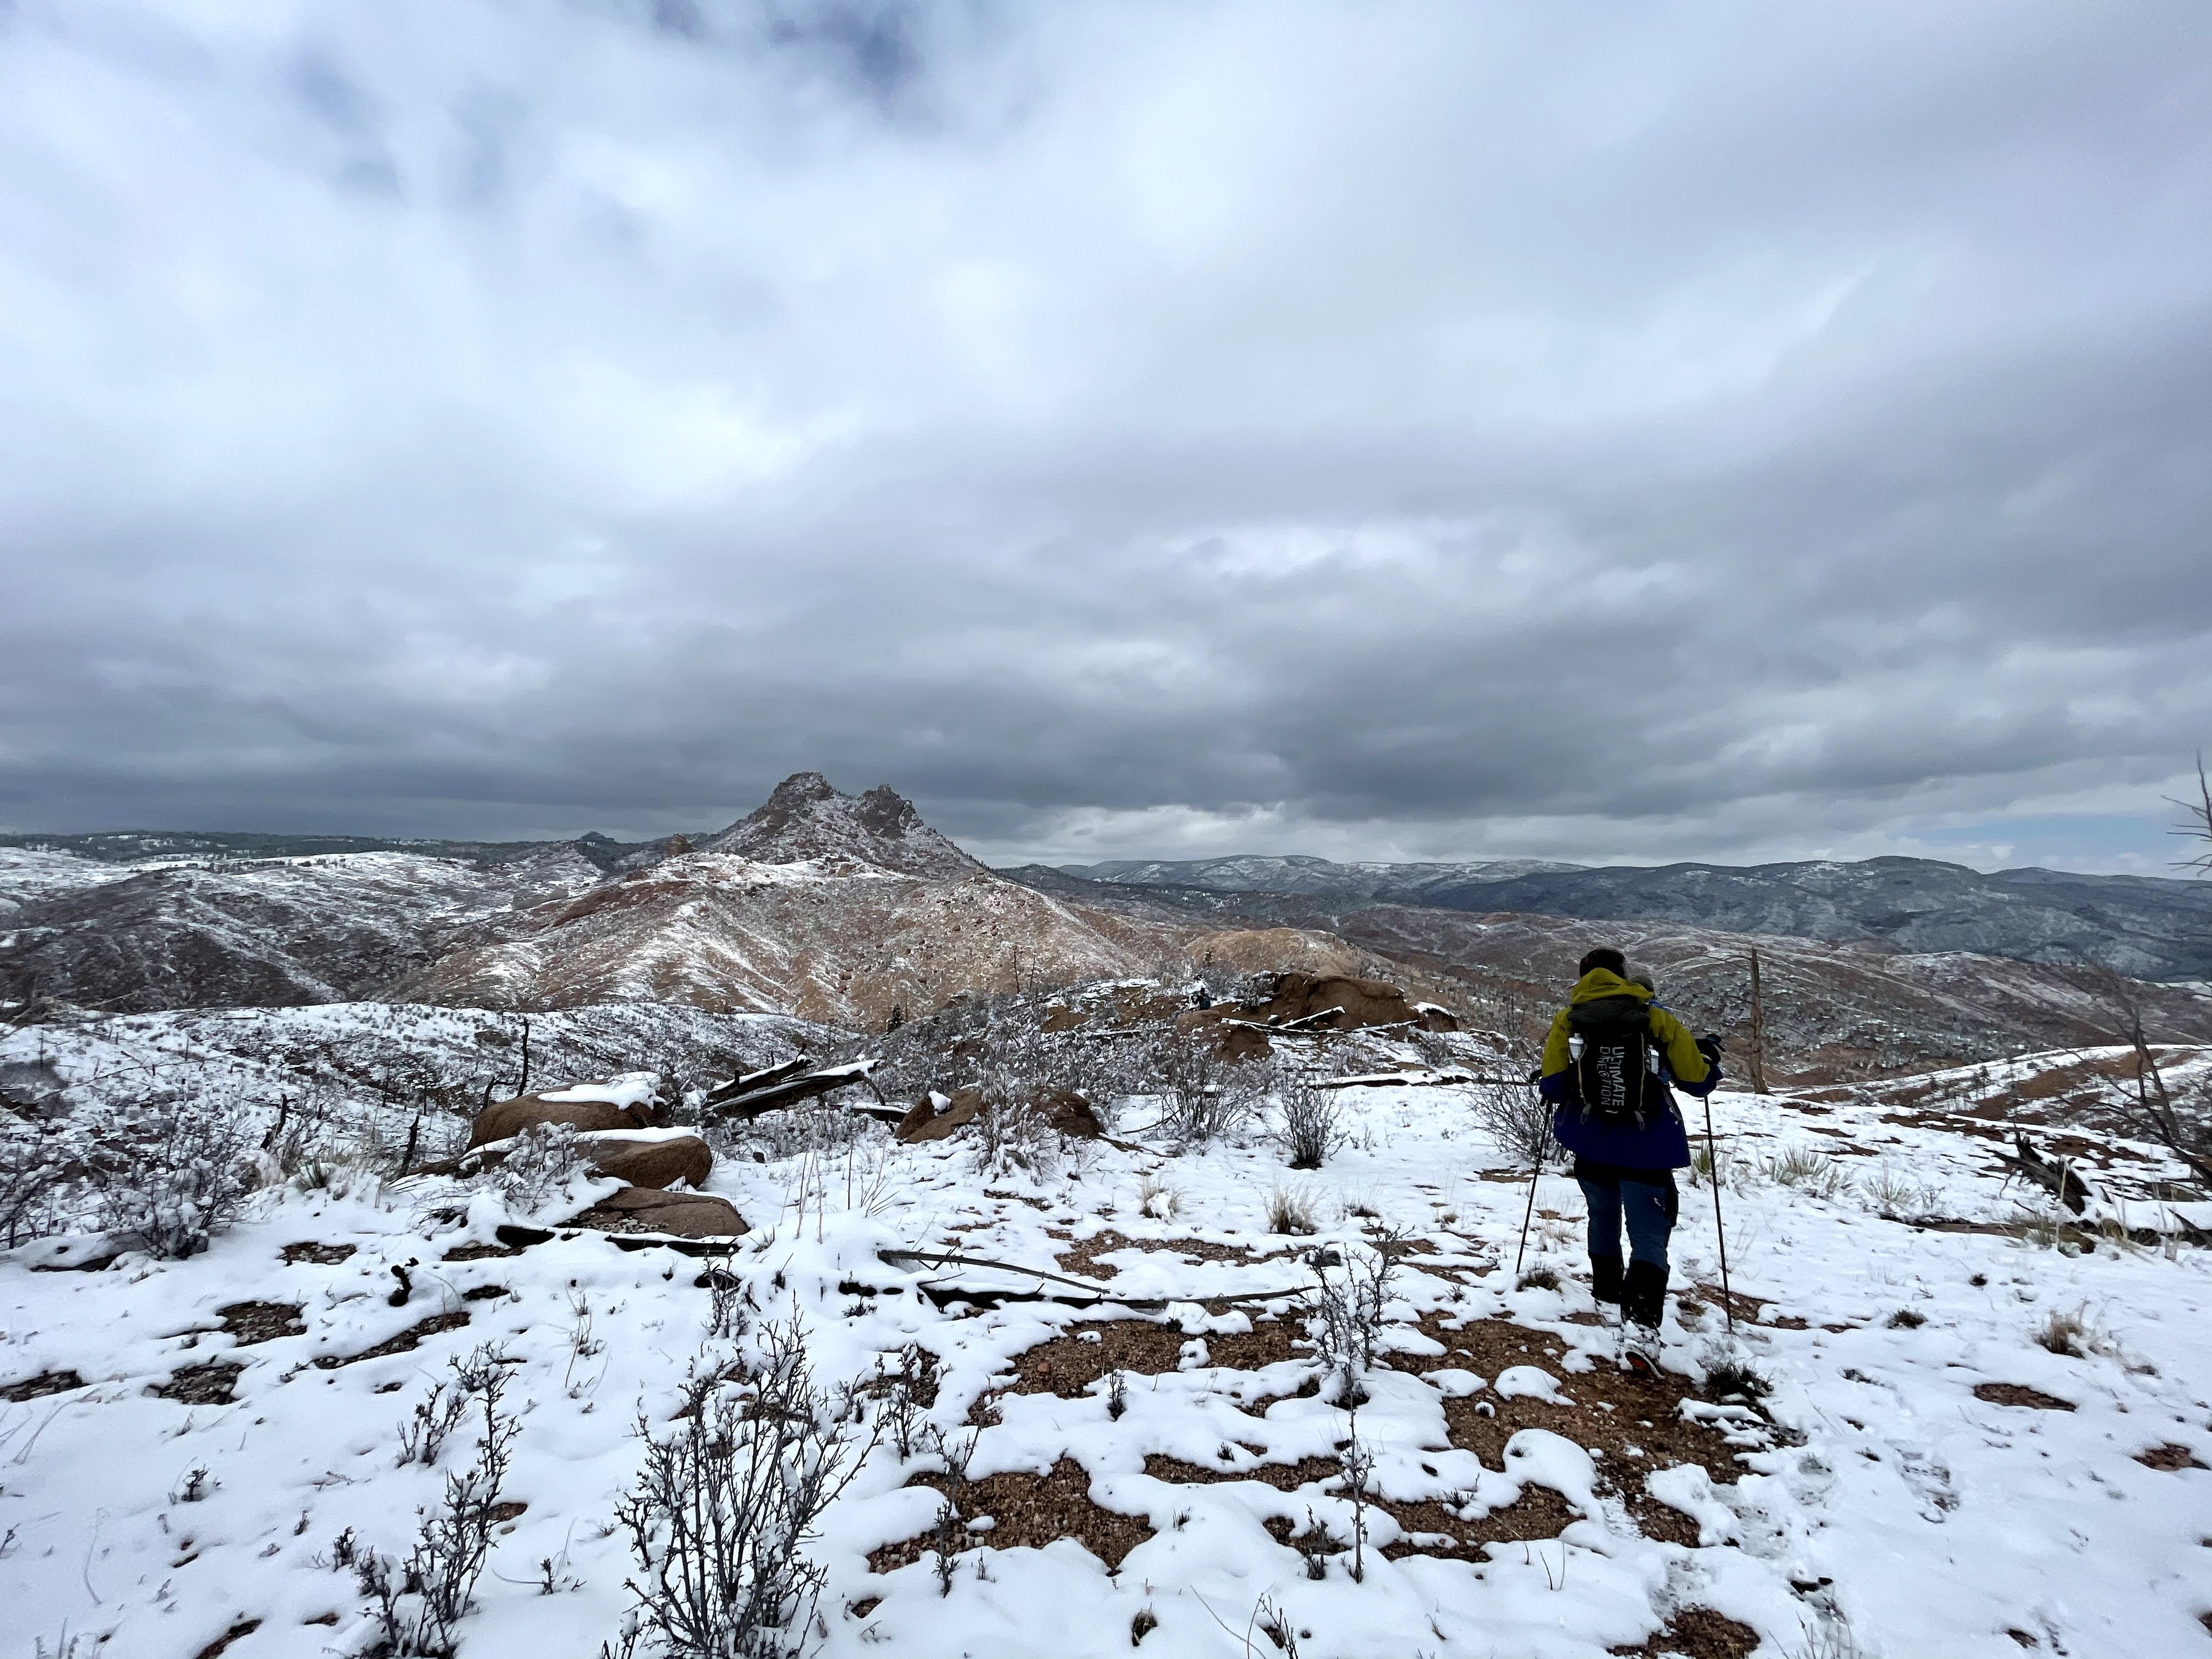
pixel 1647 1207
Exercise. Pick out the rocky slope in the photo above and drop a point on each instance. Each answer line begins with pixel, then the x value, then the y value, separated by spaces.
pixel 825 938
pixel 2141 926
pixel 266 934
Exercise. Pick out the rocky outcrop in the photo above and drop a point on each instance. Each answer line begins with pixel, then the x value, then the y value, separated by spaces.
pixel 806 819
pixel 1061 1110
pixel 1356 1002
pixel 503 1120
pixel 661 1162
pixel 683 1215
pixel 927 1122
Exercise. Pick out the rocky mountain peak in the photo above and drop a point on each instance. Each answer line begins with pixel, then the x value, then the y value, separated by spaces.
pixel 806 818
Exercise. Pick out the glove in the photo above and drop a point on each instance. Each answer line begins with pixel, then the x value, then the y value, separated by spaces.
pixel 1709 1047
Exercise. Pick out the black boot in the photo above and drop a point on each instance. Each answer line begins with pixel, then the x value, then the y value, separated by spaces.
pixel 1644 1294
pixel 1605 1279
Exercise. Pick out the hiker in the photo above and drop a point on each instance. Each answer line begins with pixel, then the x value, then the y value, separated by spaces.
pixel 1608 1061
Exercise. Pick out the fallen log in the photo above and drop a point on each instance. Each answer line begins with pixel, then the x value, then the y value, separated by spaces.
pixel 787 1089
pixel 2059 1179
pixel 748 1082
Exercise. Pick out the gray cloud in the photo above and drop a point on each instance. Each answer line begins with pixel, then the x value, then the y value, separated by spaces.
pixel 1417 431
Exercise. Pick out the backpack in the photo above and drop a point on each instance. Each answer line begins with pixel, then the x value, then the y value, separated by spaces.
pixel 1612 1059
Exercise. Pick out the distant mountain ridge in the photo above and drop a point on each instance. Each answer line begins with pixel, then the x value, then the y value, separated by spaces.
pixel 2147 927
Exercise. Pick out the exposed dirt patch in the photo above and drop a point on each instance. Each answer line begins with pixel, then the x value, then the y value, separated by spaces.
pixel 323 1255
pixel 254 1322
pixel 201 1385
pixel 1081 1257
pixel 512 1510
pixel 39 1387
pixel 2169 1458
pixel 237 1632
pixel 1745 1308
pixel 1538 1513
pixel 1643 1431
pixel 2019 1393
pixel 484 1293
pixel 405 1342
pixel 1067 1364
pixel 1027 1511
pixel 1283 1477
pixel 480 1251
pixel 1070 1363
pixel 1700 1633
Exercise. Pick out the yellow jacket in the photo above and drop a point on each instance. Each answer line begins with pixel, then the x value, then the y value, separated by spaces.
pixel 1673 1037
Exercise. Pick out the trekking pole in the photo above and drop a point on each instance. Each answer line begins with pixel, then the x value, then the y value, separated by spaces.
pixel 1543 1146
pixel 1713 1158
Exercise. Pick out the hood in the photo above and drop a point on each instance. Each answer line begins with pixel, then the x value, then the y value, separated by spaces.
pixel 1601 982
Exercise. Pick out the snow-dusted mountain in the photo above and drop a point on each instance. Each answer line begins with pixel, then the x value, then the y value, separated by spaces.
pixel 1835 1009
pixel 1403 883
pixel 806 819
pixel 2146 927
pixel 842 906
pixel 268 933
pixel 826 939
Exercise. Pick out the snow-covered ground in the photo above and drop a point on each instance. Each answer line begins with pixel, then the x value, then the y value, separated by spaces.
pixel 1878 1500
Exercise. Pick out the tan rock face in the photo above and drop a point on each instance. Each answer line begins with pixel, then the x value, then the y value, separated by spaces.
pixel 505 1119
pixel 1358 1001
pixel 654 1164
pixel 685 1215
pixel 941 1126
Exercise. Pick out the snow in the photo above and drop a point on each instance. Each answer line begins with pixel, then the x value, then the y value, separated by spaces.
pixel 1920 1517
pixel 630 1089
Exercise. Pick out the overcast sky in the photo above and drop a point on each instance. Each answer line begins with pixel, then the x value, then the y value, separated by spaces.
pixel 1609 431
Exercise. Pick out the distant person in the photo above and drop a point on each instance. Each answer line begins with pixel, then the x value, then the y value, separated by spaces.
pixel 1608 1061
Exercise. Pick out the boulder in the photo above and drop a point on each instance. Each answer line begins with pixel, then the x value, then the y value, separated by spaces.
pixel 1070 1113
pixel 505 1119
pixel 685 1215
pixel 654 1164
pixel 1229 1027
pixel 1244 1042
pixel 939 1126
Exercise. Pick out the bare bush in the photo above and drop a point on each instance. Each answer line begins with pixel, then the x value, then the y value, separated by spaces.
pixel 1517 1119
pixel 35 1182
pixel 723 1509
pixel 1203 1097
pixel 1312 1126
pixel 1350 1299
pixel 544 1160
pixel 1012 1132
pixel 172 1176
pixel 420 1602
